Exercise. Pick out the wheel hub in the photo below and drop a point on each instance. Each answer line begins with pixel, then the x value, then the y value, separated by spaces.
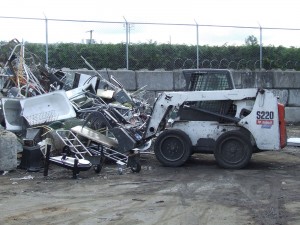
pixel 172 148
pixel 233 151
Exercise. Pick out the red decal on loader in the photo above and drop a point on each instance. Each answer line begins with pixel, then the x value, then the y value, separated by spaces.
pixel 264 122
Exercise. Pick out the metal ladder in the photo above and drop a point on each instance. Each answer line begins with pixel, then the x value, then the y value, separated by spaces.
pixel 93 151
pixel 73 143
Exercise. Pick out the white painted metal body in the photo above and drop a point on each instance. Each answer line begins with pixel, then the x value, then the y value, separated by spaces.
pixel 262 122
pixel 36 110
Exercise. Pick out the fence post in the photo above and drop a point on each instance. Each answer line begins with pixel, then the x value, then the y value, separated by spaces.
pixel 127 30
pixel 46 21
pixel 260 47
pixel 197 47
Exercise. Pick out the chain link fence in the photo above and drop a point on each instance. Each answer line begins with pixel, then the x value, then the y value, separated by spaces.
pixel 136 46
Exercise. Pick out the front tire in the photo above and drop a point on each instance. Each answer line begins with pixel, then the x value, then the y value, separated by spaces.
pixel 233 150
pixel 172 147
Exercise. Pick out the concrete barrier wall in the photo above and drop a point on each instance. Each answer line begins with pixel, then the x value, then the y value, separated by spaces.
pixel 285 84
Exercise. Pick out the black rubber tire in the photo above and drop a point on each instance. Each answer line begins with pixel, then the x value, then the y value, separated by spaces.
pixel 98 168
pixel 172 147
pixel 136 168
pixel 233 150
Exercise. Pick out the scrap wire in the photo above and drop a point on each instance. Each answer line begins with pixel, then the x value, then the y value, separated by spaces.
pixel 45 127
pixel 20 66
pixel 114 87
pixel 12 53
pixel 22 77
pixel 25 79
pixel 34 81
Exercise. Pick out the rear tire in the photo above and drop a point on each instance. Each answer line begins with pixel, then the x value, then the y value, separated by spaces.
pixel 233 150
pixel 172 147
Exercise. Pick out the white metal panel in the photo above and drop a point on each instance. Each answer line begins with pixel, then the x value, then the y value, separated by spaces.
pixel 203 129
pixel 47 108
pixel 263 122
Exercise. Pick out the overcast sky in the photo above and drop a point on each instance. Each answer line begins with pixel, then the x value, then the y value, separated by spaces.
pixel 254 13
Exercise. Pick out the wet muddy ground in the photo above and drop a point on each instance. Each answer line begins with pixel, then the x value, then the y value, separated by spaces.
pixel 265 192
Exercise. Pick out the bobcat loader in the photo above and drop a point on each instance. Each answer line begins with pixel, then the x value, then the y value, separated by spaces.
pixel 211 116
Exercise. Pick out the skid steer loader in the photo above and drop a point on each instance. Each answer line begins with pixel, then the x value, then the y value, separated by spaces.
pixel 211 116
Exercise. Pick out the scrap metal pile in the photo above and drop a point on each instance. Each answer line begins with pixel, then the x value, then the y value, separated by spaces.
pixel 36 99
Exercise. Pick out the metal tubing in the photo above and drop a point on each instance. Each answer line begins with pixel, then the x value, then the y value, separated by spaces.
pixel 127 31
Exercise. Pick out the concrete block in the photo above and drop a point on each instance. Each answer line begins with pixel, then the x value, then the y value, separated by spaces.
pixel 150 97
pixel 294 97
pixel 284 79
pixel 248 79
pixel 297 80
pixel 81 71
pixel 179 80
pixel 10 146
pixel 155 80
pixel 283 95
pixel 103 73
pixel 126 77
pixel 237 78
pixel 292 114
pixel 264 79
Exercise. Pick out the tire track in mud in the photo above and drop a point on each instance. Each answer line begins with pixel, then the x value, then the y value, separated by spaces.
pixel 121 198
pixel 198 193
pixel 262 213
pixel 198 203
pixel 261 198
pixel 67 211
pixel 188 194
pixel 148 203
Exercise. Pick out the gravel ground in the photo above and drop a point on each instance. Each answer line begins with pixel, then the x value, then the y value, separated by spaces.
pixel 265 192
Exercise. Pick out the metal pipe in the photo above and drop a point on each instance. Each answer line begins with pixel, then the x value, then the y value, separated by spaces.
pixel 11 54
pixel 46 21
pixel 197 48
pixel 24 68
pixel 127 30
pixel 101 77
pixel 260 47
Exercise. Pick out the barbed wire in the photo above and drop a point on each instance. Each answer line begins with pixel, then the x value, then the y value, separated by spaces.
pixel 171 62
pixel 224 63
pixel 149 23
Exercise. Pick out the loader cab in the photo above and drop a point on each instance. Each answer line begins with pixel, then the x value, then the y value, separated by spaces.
pixel 207 80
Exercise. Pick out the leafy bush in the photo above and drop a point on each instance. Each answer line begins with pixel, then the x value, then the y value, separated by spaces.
pixel 156 56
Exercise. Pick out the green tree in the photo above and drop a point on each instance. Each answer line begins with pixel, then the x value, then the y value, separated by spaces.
pixel 251 40
pixel 154 56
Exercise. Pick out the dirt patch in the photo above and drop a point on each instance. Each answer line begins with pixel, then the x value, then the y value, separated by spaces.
pixel 265 192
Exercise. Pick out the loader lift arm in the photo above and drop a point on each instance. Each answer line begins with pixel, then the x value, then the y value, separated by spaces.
pixel 173 100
